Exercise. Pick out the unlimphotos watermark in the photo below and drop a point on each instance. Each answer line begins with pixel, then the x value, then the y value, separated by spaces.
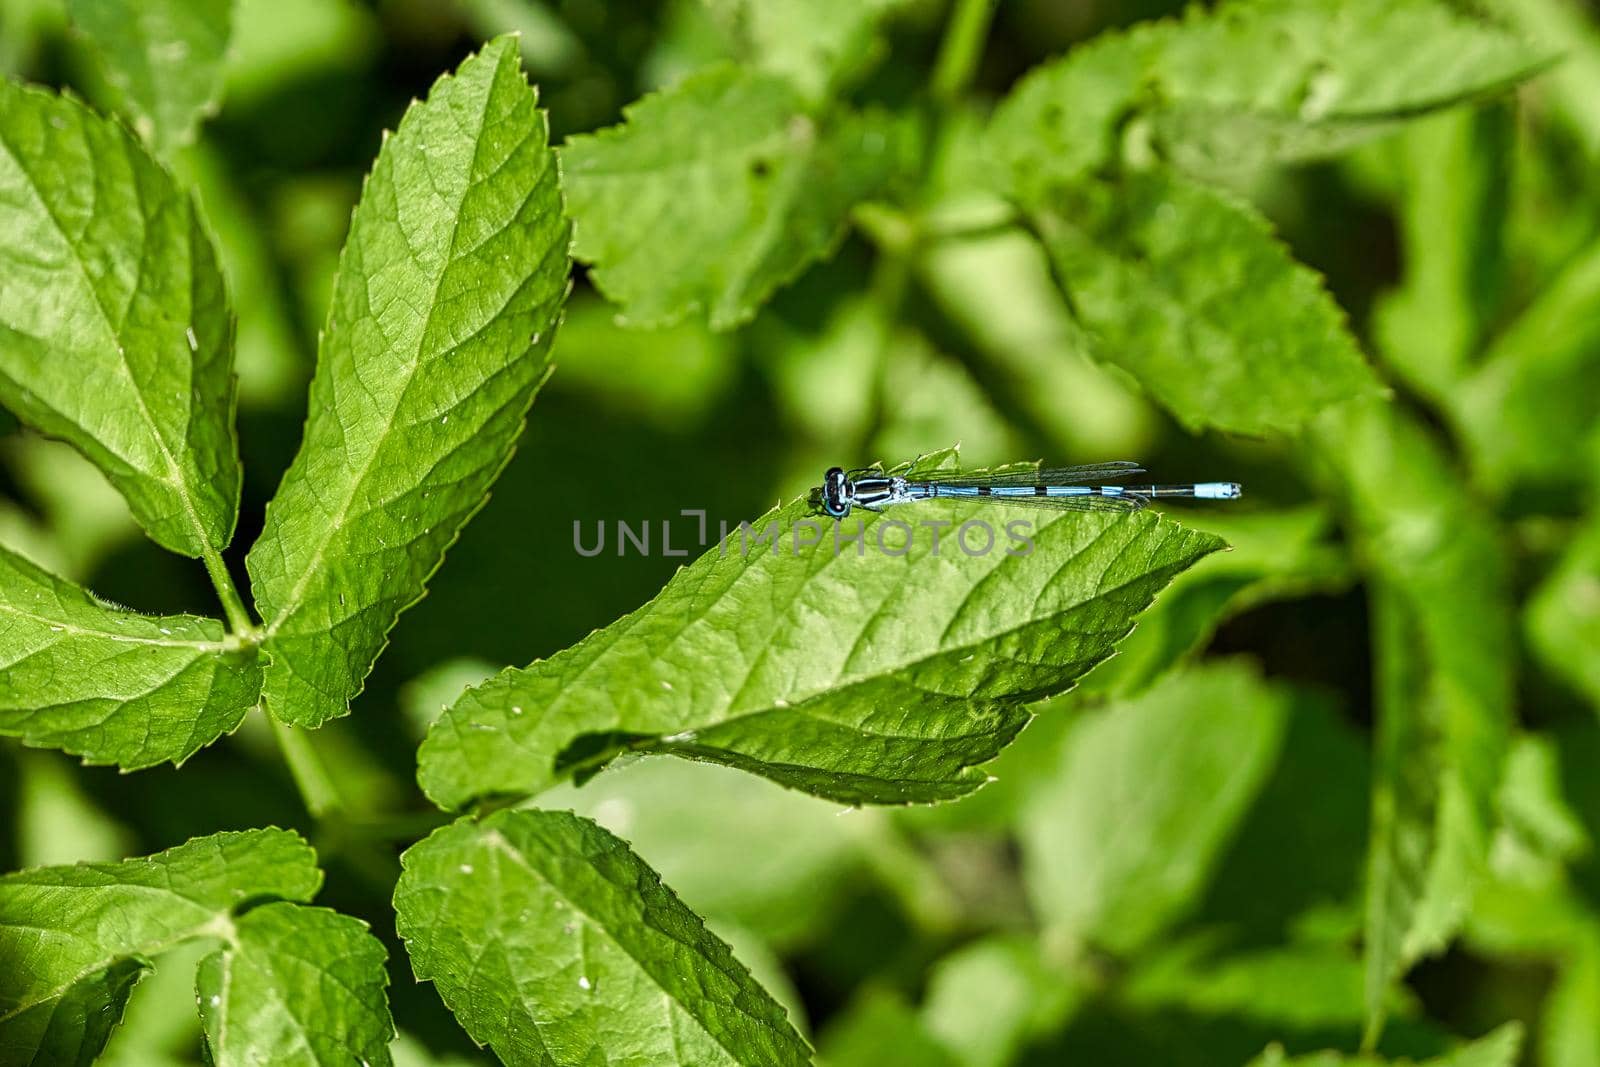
pixel 886 536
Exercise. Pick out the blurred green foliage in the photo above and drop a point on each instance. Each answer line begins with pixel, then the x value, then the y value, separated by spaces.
pixel 1345 772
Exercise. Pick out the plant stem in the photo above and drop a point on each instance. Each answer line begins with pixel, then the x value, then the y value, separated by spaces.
pixel 232 604
pixel 962 47
pixel 311 777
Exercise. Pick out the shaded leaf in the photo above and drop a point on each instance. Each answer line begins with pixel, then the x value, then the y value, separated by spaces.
pixel 1455 172
pixel 717 191
pixel 1298 861
pixel 1273 555
pixel 1122 837
pixel 882 671
pixel 1294 79
pixel 815 44
pixel 1573 84
pixel 114 327
pixel 1562 618
pixel 986 1000
pixel 1187 289
pixel 1035 360
pixel 448 290
pixel 1528 412
pixel 553 943
pixel 1442 643
pixel 1496 1049
pixel 1247 83
pixel 110 685
pixel 1063 121
pixel 1298 987
pixel 672 377
pixel 55 820
pixel 880 1030
pixel 162 58
pixel 74 1027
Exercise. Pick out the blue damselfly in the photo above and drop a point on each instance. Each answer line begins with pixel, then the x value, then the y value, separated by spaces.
pixel 1056 488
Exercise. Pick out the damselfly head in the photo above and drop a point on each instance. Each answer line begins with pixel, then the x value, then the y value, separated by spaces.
pixel 838 494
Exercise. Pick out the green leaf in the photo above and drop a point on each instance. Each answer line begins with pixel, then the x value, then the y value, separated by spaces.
pixel 716 192
pixel 1247 83
pixel 1443 680
pixel 152 1033
pixel 110 685
pixel 1454 171
pixel 1121 838
pixel 296 985
pixel 1034 360
pixel 879 674
pixel 815 44
pixel 1187 289
pixel 1534 813
pixel 1573 86
pixel 54 818
pixel 1528 411
pixel 1273 555
pixel 989 998
pixel 448 292
pixel 74 1028
pixel 705 828
pixel 880 1030
pixel 553 943
pixel 1567 1034
pixel 1063 121
pixel 1562 619
pixel 1498 1048
pixel 114 328
pixel 73 939
pixel 1294 79
pixel 162 58
pixel 1295 987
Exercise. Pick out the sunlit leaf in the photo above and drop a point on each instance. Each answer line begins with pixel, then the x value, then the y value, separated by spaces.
pixel 296 985
pixel 553 943
pixel 111 685
pixel 880 671
pixel 448 290
pixel 1187 289
pixel 717 191
pixel 114 329
pixel 72 938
